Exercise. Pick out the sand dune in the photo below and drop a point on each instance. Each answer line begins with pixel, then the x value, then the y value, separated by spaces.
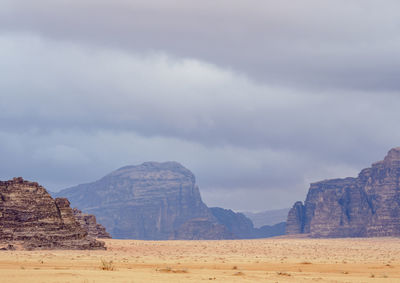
pixel 265 260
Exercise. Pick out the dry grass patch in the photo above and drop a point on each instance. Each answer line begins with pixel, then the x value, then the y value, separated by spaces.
pixel 171 270
pixel 107 265
pixel 280 273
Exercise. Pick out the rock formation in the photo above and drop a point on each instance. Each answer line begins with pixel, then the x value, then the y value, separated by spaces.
pixel 149 201
pixel 202 229
pixel 238 224
pixel 366 206
pixel 242 227
pixel 32 219
pixel 89 223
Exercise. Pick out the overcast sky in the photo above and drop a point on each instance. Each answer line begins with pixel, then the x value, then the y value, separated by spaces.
pixel 257 98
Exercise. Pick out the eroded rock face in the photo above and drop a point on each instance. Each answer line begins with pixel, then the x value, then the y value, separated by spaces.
pixel 149 201
pixel 89 223
pixel 366 206
pixel 32 219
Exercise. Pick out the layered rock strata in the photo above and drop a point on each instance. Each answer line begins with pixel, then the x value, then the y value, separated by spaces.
pixel 89 223
pixel 366 206
pixel 30 218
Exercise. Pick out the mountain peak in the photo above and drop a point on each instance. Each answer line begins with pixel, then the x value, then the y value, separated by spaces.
pixel 393 155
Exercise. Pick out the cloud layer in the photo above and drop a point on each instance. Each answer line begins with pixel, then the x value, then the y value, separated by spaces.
pixel 257 98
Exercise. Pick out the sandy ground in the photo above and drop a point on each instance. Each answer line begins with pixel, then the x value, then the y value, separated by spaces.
pixel 266 260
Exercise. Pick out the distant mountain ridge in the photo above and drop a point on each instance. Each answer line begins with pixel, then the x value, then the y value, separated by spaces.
pixel 268 217
pixel 242 227
pixel 157 201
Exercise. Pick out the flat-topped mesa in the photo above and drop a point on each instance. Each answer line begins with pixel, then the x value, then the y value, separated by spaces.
pixel 365 206
pixel 149 201
pixel 31 219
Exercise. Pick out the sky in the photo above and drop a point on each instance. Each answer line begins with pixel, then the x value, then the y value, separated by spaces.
pixel 258 98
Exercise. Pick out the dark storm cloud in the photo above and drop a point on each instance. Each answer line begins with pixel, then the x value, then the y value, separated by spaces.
pixel 258 98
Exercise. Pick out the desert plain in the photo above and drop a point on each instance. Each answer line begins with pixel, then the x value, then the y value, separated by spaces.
pixel 261 260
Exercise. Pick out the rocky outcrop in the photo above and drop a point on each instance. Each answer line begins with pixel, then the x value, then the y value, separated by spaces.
pixel 89 223
pixel 366 206
pixel 237 224
pixel 150 201
pixel 30 218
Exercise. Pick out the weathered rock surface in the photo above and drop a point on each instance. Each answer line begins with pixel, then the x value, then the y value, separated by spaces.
pixel 366 206
pixel 89 223
pixel 149 201
pixel 30 218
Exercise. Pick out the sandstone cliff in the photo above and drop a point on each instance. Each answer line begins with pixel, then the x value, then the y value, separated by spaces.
pixel 150 201
pixel 89 223
pixel 32 219
pixel 366 206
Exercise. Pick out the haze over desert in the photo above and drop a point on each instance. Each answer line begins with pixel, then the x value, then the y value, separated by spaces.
pixel 261 260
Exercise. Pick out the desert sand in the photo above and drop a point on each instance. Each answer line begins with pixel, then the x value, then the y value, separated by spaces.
pixel 263 260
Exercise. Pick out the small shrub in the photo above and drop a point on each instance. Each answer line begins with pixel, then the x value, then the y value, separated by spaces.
pixel 107 265
pixel 280 273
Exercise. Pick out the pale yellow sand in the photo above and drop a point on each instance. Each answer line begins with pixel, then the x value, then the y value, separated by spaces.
pixel 266 260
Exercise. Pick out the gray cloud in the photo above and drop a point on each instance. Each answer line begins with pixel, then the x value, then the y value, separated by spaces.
pixel 308 43
pixel 257 100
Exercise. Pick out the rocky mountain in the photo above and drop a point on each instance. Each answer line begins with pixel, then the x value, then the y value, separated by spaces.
pixel 159 201
pixel 237 224
pixel 241 227
pixel 149 201
pixel 89 223
pixel 30 218
pixel 366 206
pixel 268 217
